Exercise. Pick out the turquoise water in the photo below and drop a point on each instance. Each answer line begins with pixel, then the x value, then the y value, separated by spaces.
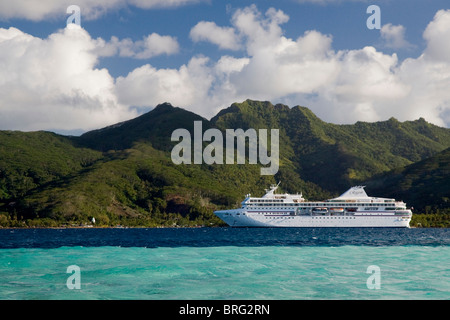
pixel 226 272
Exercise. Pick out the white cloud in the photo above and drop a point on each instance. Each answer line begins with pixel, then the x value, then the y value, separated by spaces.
pixel 324 2
pixel 279 66
pixel 394 37
pixel 437 35
pixel 340 86
pixel 90 9
pixel 260 31
pixel 349 85
pixel 228 65
pixel 184 87
pixel 288 67
pixel 149 4
pixel 52 83
pixel 374 86
pixel 150 46
pixel 225 38
pixel 275 66
pixel 363 90
pixel 201 86
pixel 47 9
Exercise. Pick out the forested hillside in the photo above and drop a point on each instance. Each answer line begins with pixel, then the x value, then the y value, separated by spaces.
pixel 124 175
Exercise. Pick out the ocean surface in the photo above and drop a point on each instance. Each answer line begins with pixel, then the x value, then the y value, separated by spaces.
pixel 225 264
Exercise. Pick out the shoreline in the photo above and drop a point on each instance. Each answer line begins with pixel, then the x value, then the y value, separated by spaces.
pixel 211 227
pixel 420 221
pixel 110 227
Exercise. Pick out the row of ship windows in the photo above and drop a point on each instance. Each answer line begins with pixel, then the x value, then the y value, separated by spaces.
pixel 319 204
pixel 334 202
pixel 333 217
pixel 366 208
pixel 290 217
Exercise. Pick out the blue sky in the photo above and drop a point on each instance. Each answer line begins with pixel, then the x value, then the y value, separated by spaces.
pixel 131 55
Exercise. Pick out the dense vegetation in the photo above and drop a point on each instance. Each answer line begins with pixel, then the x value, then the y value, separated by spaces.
pixel 124 175
pixel 424 184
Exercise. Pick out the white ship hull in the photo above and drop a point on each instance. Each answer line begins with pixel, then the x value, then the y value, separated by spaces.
pixel 238 218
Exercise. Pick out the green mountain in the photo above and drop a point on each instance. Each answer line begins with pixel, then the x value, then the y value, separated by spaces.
pixel 123 174
pixel 35 159
pixel 154 127
pixel 336 156
pixel 425 185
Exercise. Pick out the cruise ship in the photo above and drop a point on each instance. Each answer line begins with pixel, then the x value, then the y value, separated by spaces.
pixel 354 208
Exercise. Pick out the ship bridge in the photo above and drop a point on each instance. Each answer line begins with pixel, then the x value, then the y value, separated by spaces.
pixel 271 197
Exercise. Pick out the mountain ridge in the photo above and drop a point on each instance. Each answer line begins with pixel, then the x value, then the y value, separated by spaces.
pixel 124 173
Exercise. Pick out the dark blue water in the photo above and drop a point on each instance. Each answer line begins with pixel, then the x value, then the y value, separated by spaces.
pixel 214 237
